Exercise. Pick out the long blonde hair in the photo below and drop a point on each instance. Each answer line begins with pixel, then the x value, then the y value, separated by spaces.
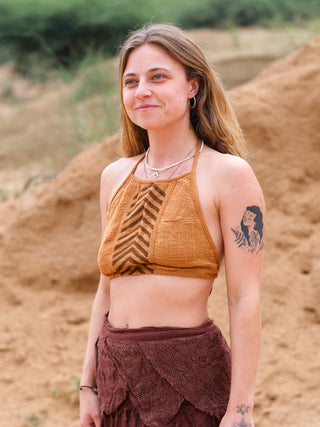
pixel 212 118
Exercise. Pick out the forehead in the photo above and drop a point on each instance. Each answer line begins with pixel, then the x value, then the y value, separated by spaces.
pixel 150 56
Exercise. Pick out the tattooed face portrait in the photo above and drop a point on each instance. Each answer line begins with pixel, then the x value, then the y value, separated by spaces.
pixel 249 235
pixel 248 218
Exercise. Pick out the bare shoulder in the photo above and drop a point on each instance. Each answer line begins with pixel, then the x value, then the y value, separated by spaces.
pixel 225 163
pixel 119 168
pixel 114 174
pixel 227 170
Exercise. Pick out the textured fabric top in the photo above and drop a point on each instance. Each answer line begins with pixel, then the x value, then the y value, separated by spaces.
pixel 157 227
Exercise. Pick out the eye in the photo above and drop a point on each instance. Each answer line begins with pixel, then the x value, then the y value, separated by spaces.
pixel 130 82
pixel 158 77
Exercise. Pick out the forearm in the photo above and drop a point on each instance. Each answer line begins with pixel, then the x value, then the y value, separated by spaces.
pixel 100 306
pixel 245 343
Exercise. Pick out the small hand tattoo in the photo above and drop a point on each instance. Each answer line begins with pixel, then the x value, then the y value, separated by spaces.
pixel 242 409
pixel 241 424
pixel 249 235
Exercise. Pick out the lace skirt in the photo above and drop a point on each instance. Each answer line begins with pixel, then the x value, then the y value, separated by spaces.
pixel 164 376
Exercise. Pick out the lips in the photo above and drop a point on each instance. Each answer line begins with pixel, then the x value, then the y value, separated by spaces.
pixel 143 107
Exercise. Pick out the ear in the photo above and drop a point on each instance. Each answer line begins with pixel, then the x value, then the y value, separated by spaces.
pixel 193 87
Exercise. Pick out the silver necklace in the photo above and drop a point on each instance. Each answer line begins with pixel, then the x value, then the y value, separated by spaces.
pixel 172 173
pixel 157 170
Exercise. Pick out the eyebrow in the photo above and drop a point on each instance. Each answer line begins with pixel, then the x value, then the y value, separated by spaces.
pixel 151 70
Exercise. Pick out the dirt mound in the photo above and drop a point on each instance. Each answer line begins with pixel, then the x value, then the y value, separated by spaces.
pixel 55 220
pixel 48 245
pixel 280 112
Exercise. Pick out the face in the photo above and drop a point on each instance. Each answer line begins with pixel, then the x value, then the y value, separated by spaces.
pixel 155 89
pixel 248 218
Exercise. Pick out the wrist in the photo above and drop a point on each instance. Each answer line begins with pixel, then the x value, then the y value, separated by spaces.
pixel 241 408
pixel 241 398
pixel 88 378
pixel 85 387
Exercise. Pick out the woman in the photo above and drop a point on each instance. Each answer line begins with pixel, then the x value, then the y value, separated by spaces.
pixel 169 211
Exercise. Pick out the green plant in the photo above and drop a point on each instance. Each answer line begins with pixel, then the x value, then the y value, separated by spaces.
pixel 36 420
pixel 94 76
pixel 58 33
pixel 314 26
pixel 92 107
pixel 3 195
pixel 72 395
pixel 74 392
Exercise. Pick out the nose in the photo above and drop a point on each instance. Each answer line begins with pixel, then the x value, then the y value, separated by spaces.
pixel 143 90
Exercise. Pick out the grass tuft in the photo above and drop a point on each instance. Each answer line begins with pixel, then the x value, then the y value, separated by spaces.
pixel 35 420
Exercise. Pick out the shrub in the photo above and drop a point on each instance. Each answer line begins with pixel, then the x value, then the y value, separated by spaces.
pixel 62 31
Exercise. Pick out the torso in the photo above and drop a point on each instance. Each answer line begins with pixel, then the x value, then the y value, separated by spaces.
pixel 154 300
pixel 159 300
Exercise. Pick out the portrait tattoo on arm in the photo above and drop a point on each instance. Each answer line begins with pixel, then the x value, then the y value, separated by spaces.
pixel 249 234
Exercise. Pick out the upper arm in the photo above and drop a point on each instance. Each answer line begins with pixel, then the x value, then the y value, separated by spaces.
pixel 104 197
pixel 111 178
pixel 242 217
pixel 108 185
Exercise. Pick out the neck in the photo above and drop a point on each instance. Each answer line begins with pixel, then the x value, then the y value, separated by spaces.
pixel 168 148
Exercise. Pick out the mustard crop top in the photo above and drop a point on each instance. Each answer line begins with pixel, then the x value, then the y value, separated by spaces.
pixel 157 227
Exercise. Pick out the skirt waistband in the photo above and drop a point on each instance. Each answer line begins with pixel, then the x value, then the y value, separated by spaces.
pixel 148 333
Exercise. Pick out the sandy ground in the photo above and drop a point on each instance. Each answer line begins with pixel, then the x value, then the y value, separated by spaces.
pixel 50 234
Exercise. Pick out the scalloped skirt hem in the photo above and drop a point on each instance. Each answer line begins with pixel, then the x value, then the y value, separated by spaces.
pixel 188 416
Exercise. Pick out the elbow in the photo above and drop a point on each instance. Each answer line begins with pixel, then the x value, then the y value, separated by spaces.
pixel 245 307
pixel 250 298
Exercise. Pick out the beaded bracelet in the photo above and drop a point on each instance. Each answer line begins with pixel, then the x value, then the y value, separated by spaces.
pixel 81 387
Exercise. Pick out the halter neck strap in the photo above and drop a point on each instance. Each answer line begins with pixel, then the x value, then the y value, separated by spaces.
pixel 200 146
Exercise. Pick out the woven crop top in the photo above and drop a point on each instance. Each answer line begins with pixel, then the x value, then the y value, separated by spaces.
pixel 157 227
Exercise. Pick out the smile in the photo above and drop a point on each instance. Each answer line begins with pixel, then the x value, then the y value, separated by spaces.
pixel 144 107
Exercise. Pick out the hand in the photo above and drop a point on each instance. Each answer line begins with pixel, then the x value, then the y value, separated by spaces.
pixel 237 420
pixel 89 409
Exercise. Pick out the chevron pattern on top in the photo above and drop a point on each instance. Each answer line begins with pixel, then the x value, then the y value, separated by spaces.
pixel 132 246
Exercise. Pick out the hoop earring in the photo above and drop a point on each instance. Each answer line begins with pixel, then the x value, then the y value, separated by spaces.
pixel 192 103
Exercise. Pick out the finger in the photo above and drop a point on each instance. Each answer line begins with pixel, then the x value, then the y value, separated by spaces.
pixel 87 422
pixel 97 422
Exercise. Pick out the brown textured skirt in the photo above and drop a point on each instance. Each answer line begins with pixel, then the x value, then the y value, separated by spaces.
pixel 164 376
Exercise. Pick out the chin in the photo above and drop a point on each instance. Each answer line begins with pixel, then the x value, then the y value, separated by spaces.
pixel 150 126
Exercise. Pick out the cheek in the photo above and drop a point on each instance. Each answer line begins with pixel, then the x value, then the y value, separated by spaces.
pixel 127 99
pixel 127 105
pixel 181 97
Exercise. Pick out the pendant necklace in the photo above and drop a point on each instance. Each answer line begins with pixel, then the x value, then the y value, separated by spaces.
pixel 157 170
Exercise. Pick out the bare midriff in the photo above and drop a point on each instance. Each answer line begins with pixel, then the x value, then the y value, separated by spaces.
pixel 158 300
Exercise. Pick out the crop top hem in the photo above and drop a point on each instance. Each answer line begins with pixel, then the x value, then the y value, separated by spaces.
pixel 178 273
